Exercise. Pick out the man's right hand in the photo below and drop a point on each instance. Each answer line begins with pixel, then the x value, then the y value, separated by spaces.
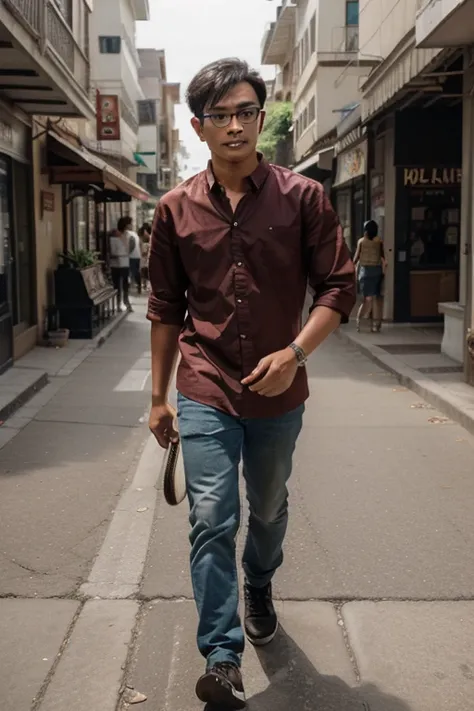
pixel 162 424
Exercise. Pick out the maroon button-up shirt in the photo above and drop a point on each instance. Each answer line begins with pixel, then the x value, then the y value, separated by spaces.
pixel 236 282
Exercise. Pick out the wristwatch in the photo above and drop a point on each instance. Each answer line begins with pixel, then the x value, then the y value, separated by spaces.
pixel 301 356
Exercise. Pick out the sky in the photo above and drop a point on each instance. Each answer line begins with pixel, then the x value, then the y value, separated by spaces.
pixel 196 32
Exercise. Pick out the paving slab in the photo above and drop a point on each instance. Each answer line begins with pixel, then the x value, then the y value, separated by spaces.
pixel 421 653
pixel 89 675
pixel 59 487
pixel 31 635
pixel 306 667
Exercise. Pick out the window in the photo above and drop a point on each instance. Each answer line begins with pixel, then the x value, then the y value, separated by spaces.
pixel 312 34
pixel 306 48
pixel 147 113
pixel 352 13
pixel 312 110
pixel 110 44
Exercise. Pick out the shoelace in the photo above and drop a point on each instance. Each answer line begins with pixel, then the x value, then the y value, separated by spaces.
pixel 257 602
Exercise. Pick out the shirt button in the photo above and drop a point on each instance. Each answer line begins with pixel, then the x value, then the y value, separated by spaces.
pixel 243 336
pixel 236 224
pixel 239 301
pixel 239 264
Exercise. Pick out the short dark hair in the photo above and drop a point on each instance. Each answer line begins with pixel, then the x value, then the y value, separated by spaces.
pixel 123 223
pixel 371 229
pixel 215 80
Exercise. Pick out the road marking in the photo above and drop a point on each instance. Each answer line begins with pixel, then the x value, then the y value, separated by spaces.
pixel 135 378
pixel 118 568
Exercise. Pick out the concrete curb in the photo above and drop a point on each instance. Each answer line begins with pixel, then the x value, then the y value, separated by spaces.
pixel 23 397
pixel 431 391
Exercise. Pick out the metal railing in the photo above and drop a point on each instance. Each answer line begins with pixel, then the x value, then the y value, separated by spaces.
pixel 345 39
pixel 28 12
pixel 129 116
pixel 45 21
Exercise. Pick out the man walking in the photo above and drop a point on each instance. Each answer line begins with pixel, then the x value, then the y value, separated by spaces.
pixel 231 254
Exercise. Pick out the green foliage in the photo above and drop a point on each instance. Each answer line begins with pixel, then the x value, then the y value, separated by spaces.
pixel 80 258
pixel 277 126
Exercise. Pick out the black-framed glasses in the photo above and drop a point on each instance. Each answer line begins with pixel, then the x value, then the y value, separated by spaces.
pixel 244 116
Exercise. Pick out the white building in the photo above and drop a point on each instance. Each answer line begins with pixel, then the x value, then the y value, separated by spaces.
pixel 316 43
pixel 115 65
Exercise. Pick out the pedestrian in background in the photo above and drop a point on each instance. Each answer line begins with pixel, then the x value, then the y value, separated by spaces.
pixel 145 237
pixel 232 250
pixel 135 255
pixel 370 260
pixel 120 262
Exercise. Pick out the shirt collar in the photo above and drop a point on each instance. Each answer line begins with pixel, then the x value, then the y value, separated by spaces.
pixel 256 179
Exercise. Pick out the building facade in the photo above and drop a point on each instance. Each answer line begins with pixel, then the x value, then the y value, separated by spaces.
pixel 449 24
pixel 45 71
pixel 412 106
pixel 315 44
pixel 158 140
pixel 60 186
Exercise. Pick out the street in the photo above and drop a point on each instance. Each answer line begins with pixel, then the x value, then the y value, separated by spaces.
pixel 376 594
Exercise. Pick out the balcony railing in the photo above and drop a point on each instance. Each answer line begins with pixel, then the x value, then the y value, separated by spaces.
pixel 345 39
pixel 129 116
pixel 46 23
pixel 28 12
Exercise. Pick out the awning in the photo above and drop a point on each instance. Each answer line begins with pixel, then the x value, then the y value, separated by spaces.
pixel 139 160
pixel 77 165
pixel 394 74
pixel 323 159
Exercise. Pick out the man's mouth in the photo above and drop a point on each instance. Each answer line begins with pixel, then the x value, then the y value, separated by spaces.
pixel 235 144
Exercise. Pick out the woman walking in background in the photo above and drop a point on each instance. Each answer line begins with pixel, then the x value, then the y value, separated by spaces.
pixel 120 247
pixel 370 260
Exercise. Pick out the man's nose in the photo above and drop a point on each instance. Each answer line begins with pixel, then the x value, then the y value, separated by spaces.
pixel 235 126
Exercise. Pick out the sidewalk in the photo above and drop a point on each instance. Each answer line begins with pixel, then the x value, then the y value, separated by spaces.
pixel 30 374
pixel 413 354
pixel 376 595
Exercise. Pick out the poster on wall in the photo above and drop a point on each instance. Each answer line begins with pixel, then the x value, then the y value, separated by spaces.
pixel 108 117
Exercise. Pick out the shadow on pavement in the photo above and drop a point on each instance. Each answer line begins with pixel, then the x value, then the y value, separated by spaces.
pixel 297 686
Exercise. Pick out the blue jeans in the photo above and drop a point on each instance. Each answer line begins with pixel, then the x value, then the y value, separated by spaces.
pixel 213 444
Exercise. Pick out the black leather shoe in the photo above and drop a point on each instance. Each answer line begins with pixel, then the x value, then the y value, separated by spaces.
pixel 261 623
pixel 221 687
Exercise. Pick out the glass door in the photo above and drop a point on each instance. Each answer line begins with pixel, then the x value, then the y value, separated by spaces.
pixel 6 325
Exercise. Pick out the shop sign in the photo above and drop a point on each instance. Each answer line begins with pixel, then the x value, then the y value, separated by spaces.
pixel 108 117
pixel 47 202
pixel 417 177
pixel 351 164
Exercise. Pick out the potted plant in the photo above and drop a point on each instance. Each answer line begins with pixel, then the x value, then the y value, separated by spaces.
pixel 79 258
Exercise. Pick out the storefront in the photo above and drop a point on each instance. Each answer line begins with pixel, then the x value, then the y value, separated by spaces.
pixel 17 312
pixel 427 212
pixel 349 192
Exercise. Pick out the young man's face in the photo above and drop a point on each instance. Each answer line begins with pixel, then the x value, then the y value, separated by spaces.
pixel 232 138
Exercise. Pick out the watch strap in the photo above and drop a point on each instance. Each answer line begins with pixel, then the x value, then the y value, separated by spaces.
pixel 301 356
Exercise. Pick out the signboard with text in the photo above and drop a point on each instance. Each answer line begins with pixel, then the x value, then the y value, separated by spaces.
pixel 108 117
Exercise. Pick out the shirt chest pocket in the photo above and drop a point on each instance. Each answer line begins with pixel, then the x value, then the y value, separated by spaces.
pixel 279 243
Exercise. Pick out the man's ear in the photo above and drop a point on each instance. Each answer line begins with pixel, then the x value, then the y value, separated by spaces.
pixel 262 120
pixel 197 125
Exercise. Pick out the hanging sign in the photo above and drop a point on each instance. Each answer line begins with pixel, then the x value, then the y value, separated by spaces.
pixel 108 117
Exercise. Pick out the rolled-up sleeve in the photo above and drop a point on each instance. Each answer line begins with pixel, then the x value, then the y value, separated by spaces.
pixel 331 273
pixel 167 302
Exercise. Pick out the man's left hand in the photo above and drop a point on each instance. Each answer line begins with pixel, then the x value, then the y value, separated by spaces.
pixel 274 374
